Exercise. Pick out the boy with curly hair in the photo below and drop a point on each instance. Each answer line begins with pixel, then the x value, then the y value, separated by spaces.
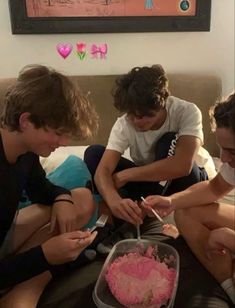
pixel 163 134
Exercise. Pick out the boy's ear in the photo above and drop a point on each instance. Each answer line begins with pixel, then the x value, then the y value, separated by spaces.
pixel 24 121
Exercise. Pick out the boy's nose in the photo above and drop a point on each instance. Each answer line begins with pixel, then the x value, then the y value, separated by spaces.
pixel 63 140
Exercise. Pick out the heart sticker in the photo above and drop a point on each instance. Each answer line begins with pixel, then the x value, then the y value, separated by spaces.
pixel 64 49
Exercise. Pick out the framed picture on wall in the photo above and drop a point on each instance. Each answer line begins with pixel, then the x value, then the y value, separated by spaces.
pixel 106 16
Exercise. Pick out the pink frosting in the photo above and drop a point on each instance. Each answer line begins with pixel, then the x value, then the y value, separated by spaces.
pixel 135 279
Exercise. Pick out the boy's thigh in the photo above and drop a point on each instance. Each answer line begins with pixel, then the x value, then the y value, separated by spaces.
pixel 196 287
pixel 215 215
pixel 29 220
pixel 26 293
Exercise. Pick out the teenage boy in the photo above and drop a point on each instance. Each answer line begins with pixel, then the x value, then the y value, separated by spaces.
pixel 40 112
pixel 203 224
pixel 163 133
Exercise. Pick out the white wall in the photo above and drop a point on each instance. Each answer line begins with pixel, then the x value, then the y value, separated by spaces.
pixel 209 52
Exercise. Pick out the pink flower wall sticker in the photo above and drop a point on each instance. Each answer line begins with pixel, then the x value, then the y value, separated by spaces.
pixel 99 51
pixel 81 50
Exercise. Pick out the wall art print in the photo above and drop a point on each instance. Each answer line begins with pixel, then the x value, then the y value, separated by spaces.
pixel 106 16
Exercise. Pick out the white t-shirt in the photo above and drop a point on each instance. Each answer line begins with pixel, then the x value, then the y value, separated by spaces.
pixel 183 118
pixel 228 173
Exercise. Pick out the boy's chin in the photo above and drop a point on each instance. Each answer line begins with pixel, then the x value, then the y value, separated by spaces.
pixel 141 129
pixel 45 153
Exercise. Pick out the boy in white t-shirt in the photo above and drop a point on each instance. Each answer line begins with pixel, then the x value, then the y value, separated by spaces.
pixel 206 226
pixel 163 134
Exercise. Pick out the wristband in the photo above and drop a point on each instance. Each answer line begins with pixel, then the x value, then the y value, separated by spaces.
pixel 63 200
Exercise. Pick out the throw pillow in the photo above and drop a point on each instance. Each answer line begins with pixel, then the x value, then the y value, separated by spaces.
pixel 72 173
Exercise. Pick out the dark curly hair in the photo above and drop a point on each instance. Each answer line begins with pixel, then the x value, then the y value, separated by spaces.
pixel 142 90
pixel 223 113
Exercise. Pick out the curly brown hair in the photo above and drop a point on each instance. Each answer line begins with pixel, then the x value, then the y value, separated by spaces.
pixel 223 113
pixel 142 90
pixel 52 100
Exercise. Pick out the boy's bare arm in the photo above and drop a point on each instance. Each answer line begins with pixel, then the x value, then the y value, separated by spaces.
pixel 122 208
pixel 171 167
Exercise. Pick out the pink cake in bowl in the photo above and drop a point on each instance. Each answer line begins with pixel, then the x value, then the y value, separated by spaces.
pixel 135 279
pixel 138 275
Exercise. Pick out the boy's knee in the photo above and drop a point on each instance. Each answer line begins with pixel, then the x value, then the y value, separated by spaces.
pixel 182 216
pixel 83 198
pixel 185 216
pixel 92 157
pixel 82 193
pixel 92 151
pixel 165 146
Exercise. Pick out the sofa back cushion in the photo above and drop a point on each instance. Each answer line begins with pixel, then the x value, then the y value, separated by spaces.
pixel 203 90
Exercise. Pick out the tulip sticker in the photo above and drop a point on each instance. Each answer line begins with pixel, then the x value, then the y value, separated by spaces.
pixel 64 49
pixel 81 50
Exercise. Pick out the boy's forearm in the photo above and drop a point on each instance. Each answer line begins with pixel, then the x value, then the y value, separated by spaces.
pixel 161 170
pixel 106 188
pixel 197 194
pixel 201 193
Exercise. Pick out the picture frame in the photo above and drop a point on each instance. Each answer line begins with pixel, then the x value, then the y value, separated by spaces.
pixel 21 23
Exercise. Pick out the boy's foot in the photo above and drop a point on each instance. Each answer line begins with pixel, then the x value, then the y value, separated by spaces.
pixel 90 254
pixel 170 230
pixel 103 233
pixel 125 231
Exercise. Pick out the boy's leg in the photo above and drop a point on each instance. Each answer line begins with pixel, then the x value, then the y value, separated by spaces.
pixel 196 175
pixel 195 224
pixel 29 220
pixel 32 218
pixel 166 147
pixel 26 294
pixel 31 229
pixel 85 205
pixel 38 218
pixel 92 157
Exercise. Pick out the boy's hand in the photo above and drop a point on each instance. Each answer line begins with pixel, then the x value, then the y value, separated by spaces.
pixel 162 205
pixel 67 247
pixel 215 243
pixel 127 210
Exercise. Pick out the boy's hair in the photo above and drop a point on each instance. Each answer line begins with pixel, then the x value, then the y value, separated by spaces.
pixel 52 100
pixel 223 113
pixel 142 90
